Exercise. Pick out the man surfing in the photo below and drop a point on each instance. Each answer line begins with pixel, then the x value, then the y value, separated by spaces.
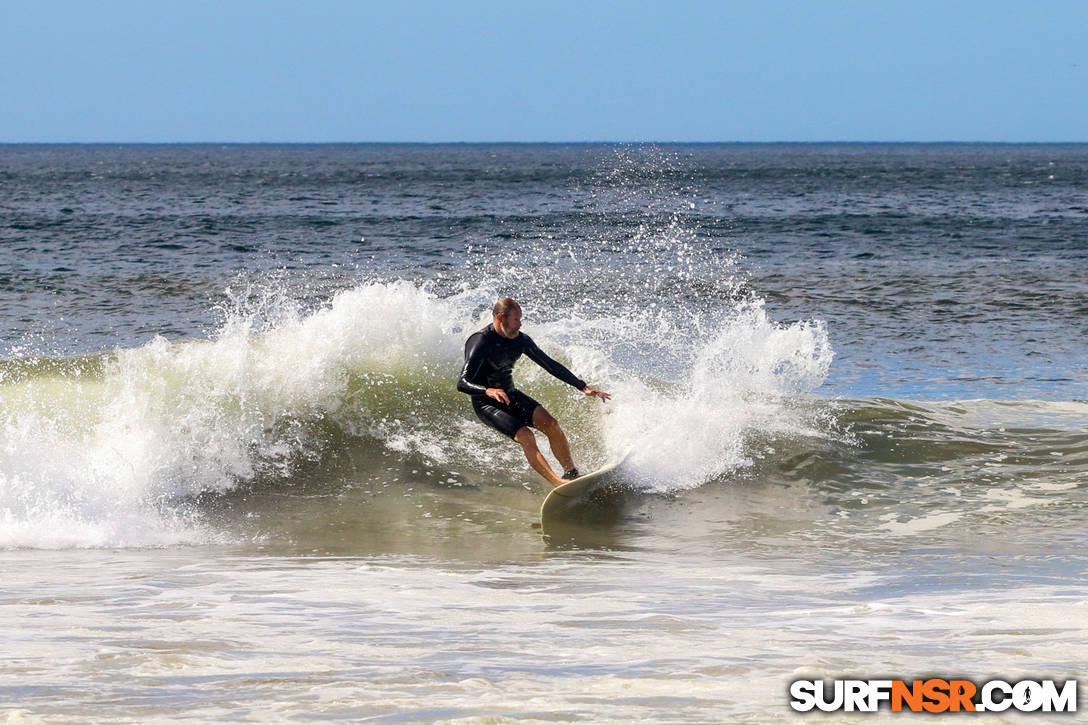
pixel 488 376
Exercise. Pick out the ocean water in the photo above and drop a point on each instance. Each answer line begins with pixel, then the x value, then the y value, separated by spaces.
pixel 237 482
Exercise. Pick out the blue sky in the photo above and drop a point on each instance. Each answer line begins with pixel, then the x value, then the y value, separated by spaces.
pixel 333 70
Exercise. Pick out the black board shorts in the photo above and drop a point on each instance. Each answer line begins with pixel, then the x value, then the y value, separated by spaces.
pixel 507 419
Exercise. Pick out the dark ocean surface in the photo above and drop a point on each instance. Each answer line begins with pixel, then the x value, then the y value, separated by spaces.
pixel 237 482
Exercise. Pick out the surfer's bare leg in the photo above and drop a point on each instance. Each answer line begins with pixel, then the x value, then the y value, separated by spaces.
pixel 536 459
pixel 549 426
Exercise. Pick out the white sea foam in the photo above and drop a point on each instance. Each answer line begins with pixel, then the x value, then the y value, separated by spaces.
pixel 702 389
pixel 112 459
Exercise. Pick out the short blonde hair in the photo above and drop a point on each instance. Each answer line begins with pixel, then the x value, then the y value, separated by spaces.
pixel 506 304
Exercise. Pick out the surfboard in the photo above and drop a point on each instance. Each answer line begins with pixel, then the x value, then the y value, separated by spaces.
pixel 588 489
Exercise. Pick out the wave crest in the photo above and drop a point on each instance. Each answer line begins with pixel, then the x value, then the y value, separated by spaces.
pixel 113 453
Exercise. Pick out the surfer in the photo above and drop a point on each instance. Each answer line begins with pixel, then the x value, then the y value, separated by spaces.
pixel 488 376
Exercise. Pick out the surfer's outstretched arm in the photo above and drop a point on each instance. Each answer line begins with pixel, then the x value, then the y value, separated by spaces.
pixel 597 393
pixel 558 370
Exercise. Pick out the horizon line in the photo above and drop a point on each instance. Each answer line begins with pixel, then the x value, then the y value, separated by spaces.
pixel 544 143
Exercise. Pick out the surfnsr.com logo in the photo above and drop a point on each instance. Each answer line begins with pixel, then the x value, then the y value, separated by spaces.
pixel 933 695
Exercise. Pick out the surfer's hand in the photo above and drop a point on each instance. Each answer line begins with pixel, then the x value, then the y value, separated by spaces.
pixel 596 393
pixel 498 394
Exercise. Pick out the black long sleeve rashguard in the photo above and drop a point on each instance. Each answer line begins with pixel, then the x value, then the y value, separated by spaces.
pixel 490 358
